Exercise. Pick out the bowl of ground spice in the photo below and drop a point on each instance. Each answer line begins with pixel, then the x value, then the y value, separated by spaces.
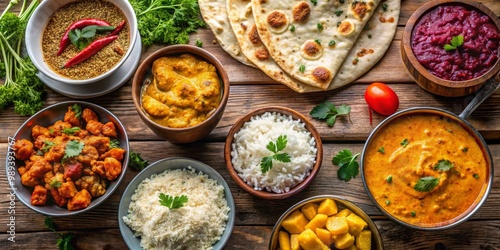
pixel 81 42
pixel 452 47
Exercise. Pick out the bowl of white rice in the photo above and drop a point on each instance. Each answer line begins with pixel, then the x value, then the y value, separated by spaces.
pixel 273 152
pixel 177 203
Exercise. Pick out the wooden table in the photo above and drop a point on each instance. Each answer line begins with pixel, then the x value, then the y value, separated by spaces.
pixel 255 218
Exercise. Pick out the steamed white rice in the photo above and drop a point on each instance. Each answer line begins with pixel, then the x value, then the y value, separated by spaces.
pixel 197 225
pixel 249 147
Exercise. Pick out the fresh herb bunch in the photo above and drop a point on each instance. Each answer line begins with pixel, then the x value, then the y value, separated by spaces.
pixel 172 202
pixel 166 21
pixel 267 162
pixel 327 111
pixel 64 241
pixel 21 86
pixel 136 161
pixel 349 167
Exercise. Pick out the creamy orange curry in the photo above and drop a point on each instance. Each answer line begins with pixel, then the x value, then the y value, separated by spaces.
pixel 184 91
pixel 425 169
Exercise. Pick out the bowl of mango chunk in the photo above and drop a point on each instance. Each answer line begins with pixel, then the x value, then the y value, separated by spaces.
pixel 325 222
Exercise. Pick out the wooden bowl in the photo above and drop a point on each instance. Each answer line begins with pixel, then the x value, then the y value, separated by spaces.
pixel 422 76
pixel 188 134
pixel 264 194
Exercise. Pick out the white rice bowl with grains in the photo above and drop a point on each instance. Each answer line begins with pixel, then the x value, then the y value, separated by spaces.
pixel 198 224
pixel 249 147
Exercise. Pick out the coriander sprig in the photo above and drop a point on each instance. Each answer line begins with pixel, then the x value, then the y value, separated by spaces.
pixel 172 202
pixel 327 111
pixel 64 241
pixel 349 167
pixel 267 162
pixel 455 42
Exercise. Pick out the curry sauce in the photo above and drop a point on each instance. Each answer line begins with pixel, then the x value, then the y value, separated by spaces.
pixel 416 149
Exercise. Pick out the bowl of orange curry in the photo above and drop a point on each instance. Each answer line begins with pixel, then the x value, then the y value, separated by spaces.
pixel 427 168
pixel 67 159
pixel 180 92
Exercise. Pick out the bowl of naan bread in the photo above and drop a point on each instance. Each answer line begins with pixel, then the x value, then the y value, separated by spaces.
pixel 309 46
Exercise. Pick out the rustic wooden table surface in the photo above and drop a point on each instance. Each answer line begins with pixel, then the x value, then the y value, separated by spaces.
pixel 255 218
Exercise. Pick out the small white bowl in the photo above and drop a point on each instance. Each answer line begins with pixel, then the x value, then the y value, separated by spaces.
pixel 38 22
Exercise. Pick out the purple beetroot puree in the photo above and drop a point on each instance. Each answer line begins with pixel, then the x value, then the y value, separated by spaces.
pixel 478 53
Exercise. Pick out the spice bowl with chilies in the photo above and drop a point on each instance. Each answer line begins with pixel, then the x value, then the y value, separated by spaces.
pixel 81 42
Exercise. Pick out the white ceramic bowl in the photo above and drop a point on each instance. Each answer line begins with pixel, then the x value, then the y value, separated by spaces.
pixel 38 22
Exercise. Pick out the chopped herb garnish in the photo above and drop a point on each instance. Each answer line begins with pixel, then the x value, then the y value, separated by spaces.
pixel 349 167
pixel 413 213
pixel 341 1
pixel 267 162
pixel 356 60
pixel 55 184
pixel 71 131
pixel 327 111
pixel 315 2
pixel 331 43
pixel 302 68
pixel 381 150
pixel 317 41
pixel 199 43
pixel 136 161
pixel 465 149
pixel 476 176
pixel 387 202
pixel 455 42
pixel 443 165
pixel 426 184
pixel 292 28
pixel 338 24
pixel 384 7
pixel 369 36
pixel 320 26
pixel 404 143
pixel 172 202
pixel 388 179
pixel 77 109
pixel 114 143
pixel 338 12
pixel 47 146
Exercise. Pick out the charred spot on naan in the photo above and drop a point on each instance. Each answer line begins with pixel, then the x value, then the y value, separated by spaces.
pixel 364 52
pixel 311 50
pixel 262 54
pixel 346 28
pixel 361 9
pixel 253 35
pixel 321 74
pixel 301 11
pixel 277 21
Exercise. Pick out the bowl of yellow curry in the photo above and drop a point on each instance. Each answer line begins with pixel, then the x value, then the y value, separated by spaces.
pixel 180 92
pixel 427 168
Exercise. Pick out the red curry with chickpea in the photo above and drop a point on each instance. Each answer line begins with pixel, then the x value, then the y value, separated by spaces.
pixel 70 162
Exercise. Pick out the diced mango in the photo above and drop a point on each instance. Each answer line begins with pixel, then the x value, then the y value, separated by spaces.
pixel 325 236
pixel 294 242
pixel 318 221
pixel 295 222
pixel 356 224
pixel 310 210
pixel 343 213
pixel 284 240
pixel 327 207
pixel 310 241
pixel 343 241
pixel 364 240
pixel 337 225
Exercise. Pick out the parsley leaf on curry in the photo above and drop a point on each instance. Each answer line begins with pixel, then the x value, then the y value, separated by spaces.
pixel 172 202
pixel 327 111
pixel 443 165
pixel 349 167
pixel 267 162
pixel 455 42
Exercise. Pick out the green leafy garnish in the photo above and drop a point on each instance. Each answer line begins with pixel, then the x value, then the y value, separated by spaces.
pixel 388 179
pixel 387 202
pixel 302 68
pixel 47 146
pixel 338 12
pixel 381 150
pixel 331 43
pixel 73 148
pixel 136 161
pixel 317 41
pixel 55 184
pixel 77 109
pixel 384 7
pixel 465 149
pixel 199 43
pixel 426 184
pixel 476 176
pixel 83 37
pixel 349 167
pixel 64 241
pixel 320 26
pixel 413 213
pixel 114 143
pixel 404 143
pixel 443 165
pixel 166 21
pixel 172 202
pixel 455 42
pixel 292 28
pixel 327 111
pixel 71 131
pixel 315 2
pixel 267 162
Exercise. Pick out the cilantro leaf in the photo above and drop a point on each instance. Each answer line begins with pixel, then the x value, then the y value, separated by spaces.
pixel 443 165
pixel 455 42
pixel 73 148
pixel 136 161
pixel 349 167
pixel 426 184
pixel 404 143
pixel 47 146
pixel 77 109
pixel 71 131
pixel 199 43
pixel 327 111
pixel 114 143
pixel 55 184
pixel 266 163
pixel 381 150
pixel 64 241
pixel 172 202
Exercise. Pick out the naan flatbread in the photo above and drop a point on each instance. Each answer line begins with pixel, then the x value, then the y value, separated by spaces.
pixel 311 41
pixel 243 24
pixel 215 15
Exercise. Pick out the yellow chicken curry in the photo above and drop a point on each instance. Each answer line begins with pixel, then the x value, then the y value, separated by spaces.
pixel 184 91
pixel 425 169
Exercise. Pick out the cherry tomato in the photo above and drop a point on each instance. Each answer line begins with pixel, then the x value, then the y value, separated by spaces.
pixel 381 98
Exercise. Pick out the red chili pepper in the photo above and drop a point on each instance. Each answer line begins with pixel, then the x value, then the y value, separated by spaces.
pixel 78 25
pixel 118 28
pixel 90 50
